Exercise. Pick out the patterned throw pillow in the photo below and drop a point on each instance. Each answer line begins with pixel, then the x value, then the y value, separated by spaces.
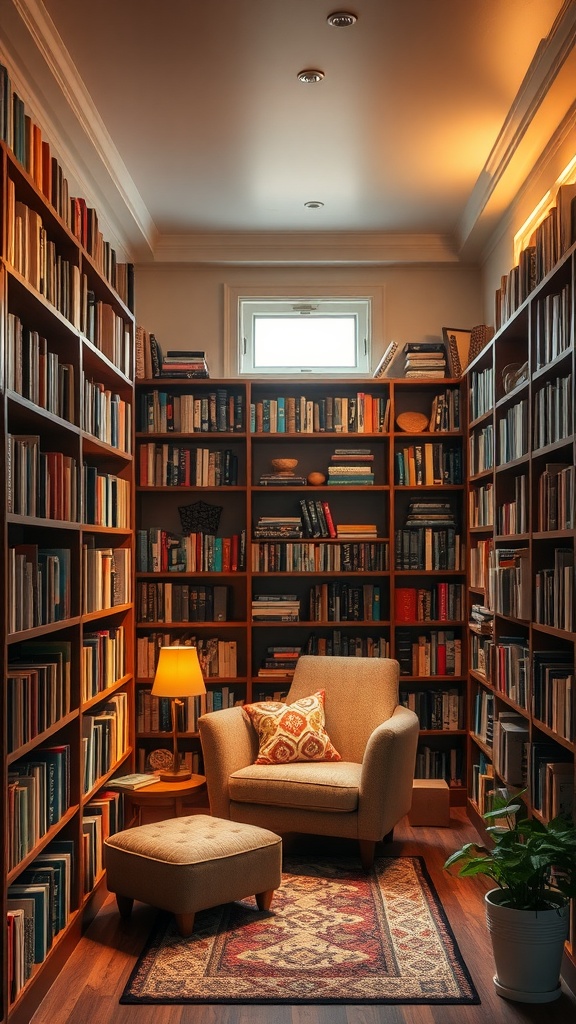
pixel 292 732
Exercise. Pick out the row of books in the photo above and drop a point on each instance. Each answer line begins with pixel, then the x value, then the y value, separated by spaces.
pixel 510 747
pixel 317 519
pixel 37 373
pixel 509 585
pixel 103 816
pixel 154 714
pixel 513 437
pixel 343 645
pixel 104 739
pixel 439 602
pixel 106 499
pixel 512 516
pixel 38 685
pixel 103 660
pixel 436 709
pixel 107 416
pixel 481 648
pixel 551 778
pixel 217 656
pixel 481 505
pixel 109 333
pixel 345 602
pixel 512 668
pixel 38 907
pixel 306 556
pixel 553 417
pixel 554 327
pixel 181 602
pixel 33 152
pixel 481 392
pixel 38 796
pixel 427 464
pixel 38 586
pixel 429 548
pixel 41 483
pixel 552 237
pixel 169 465
pixel 445 411
pixel 481 450
pixel 554 592
pixel 553 698
pixel 480 553
pixel 556 497
pixel 160 550
pixel 336 414
pixel 435 653
pixel 106 577
pixel 444 764
pixel 483 720
pixel 213 412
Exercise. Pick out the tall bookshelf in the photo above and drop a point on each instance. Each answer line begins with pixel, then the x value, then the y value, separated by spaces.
pixel 318 581
pixel 521 599
pixel 67 339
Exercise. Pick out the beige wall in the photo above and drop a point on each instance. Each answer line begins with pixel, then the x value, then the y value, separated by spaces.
pixel 183 304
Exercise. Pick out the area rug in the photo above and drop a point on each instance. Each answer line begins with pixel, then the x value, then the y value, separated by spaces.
pixel 333 935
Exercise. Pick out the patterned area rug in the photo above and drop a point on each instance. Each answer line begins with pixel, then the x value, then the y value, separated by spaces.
pixel 332 935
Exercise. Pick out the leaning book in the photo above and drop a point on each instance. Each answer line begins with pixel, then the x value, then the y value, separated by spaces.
pixel 135 781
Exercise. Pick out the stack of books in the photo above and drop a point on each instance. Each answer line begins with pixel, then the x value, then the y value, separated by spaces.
pixel 366 531
pixel 281 480
pixel 425 359
pixel 278 526
pixel 179 363
pixel 351 467
pixel 279 661
pixel 276 608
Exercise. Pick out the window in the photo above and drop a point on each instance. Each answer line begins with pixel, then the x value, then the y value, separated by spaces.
pixel 303 335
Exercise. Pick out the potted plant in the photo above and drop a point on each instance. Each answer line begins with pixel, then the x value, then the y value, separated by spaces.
pixel 534 867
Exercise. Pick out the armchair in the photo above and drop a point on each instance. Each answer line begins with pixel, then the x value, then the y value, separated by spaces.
pixel 360 797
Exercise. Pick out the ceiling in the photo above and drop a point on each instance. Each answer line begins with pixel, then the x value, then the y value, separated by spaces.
pixel 189 118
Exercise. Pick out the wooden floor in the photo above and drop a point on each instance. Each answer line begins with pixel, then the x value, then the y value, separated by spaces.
pixel 92 981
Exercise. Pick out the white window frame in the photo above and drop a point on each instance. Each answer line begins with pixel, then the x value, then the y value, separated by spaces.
pixel 243 303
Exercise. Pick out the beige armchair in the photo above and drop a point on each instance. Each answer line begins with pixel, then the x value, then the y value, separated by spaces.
pixel 361 797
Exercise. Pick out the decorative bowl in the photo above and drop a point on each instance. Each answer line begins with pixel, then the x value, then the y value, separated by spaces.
pixel 285 467
pixel 412 422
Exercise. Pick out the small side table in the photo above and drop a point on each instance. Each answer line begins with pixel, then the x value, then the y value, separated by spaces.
pixel 162 796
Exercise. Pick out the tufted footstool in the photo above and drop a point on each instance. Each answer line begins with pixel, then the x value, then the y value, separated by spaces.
pixel 187 864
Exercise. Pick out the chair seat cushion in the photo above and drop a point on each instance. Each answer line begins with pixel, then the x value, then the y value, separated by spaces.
pixel 320 785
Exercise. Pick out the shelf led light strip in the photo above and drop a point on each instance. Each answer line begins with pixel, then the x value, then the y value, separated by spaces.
pixel 542 209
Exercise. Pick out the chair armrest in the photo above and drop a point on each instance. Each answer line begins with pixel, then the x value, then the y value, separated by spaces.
pixel 388 774
pixel 229 742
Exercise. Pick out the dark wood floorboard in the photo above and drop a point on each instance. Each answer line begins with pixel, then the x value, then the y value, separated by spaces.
pixel 89 987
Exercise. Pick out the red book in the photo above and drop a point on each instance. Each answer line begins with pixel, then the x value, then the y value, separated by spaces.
pixel 441 656
pixel 405 604
pixel 329 521
pixel 442 600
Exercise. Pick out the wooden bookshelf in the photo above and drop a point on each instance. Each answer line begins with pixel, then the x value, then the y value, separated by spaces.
pixel 521 656
pixel 315 583
pixel 67 340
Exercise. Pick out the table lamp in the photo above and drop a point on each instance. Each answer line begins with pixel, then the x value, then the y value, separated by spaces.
pixel 178 674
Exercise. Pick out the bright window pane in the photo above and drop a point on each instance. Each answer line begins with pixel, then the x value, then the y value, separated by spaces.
pixel 299 341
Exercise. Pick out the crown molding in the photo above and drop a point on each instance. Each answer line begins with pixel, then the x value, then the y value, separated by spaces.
pixel 299 247
pixel 77 132
pixel 540 104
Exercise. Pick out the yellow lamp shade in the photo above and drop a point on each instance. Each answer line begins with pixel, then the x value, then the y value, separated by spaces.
pixel 178 673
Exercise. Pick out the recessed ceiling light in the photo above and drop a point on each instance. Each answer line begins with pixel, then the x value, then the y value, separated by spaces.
pixel 313 204
pixel 341 19
pixel 310 75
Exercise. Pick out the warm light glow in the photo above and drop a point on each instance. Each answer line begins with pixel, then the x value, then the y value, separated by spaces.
pixel 524 234
pixel 178 673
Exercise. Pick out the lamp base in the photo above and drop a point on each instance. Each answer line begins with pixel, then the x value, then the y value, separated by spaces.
pixel 167 775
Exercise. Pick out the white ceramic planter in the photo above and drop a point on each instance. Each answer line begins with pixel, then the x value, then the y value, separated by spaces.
pixel 528 947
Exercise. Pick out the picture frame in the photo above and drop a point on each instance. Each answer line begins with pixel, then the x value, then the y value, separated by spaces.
pixel 457 341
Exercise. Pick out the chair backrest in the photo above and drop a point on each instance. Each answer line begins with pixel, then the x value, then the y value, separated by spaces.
pixel 361 693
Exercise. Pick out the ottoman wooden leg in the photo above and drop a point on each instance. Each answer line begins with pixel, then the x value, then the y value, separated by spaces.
pixel 125 905
pixel 264 899
pixel 185 924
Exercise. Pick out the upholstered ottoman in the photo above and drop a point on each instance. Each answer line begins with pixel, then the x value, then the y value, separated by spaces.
pixel 188 864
